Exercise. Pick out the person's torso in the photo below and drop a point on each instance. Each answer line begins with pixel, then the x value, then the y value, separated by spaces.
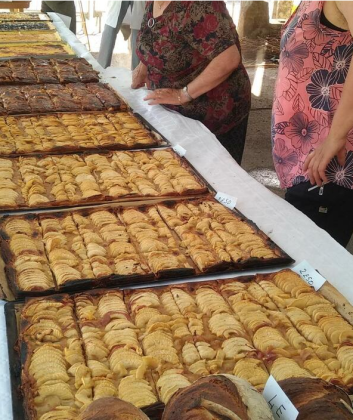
pixel 174 63
pixel 314 64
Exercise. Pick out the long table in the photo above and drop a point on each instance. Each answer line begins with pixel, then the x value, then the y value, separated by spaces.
pixel 288 227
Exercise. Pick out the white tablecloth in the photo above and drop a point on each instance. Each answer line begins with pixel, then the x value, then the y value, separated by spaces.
pixel 289 228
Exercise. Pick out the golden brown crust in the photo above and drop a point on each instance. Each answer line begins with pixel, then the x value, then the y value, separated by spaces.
pixel 112 409
pixel 314 396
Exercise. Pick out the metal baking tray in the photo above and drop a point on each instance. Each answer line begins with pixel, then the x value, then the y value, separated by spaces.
pixel 11 292
pixel 23 17
pixel 160 140
pixel 29 68
pixel 44 56
pixel 17 355
pixel 205 188
pixel 31 25
pixel 120 104
pixel 29 36
pixel 63 50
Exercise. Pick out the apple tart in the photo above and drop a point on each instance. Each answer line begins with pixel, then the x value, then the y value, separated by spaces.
pixel 48 98
pixel 56 380
pixel 145 345
pixel 116 244
pixel 213 235
pixel 44 70
pixel 29 36
pixel 38 25
pixel 69 180
pixel 23 16
pixel 24 254
pixel 23 49
pixel 72 132
pixel 113 351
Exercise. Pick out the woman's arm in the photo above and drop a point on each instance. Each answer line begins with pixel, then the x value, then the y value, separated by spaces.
pixel 334 145
pixel 139 76
pixel 218 70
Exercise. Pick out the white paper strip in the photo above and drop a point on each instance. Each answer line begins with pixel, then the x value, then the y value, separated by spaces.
pixel 309 275
pixel 226 199
pixel 280 405
pixel 179 150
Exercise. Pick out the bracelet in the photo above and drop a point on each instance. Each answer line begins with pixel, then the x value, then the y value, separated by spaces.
pixel 186 91
pixel 179 96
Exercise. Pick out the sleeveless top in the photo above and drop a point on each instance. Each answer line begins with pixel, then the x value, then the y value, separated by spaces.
pixel 314 64
pixel 180 44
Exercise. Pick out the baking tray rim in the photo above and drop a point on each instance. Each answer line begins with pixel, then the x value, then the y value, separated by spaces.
pixel 282 260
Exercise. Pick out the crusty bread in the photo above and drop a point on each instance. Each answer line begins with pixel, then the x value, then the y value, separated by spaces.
pixel 218 397
pixel 112 409
pixel 315 398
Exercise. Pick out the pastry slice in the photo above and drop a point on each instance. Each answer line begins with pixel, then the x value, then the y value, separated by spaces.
pixel 112 409
pixel 218 397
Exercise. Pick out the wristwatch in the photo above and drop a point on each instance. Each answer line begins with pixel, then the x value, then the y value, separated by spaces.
pixel 186 91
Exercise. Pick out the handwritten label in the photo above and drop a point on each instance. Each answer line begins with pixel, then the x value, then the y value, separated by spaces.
pixel 309 275
pixel 179 150
pixel 280 405
pixel 226 200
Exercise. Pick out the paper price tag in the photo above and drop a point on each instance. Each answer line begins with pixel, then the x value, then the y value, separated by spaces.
pixel 179 150
pixel 280 405
pixel 226 200
pixel 309 275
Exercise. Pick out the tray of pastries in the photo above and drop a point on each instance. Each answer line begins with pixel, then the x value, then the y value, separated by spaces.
pixel 23 49
pixel 126 245
pixel 32 70
pixel 75 132
pixel 15 26
pixel 23 16
pixel 29 36
pixel 74 180
pixel 144 345
pixel 48 98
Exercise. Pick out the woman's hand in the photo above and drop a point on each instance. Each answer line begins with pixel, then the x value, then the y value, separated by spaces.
pixel 167 97
pixel 317 161
pixel 139 76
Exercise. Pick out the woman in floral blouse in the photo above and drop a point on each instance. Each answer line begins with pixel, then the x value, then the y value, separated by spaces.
pixel 191 60
pixel 312 123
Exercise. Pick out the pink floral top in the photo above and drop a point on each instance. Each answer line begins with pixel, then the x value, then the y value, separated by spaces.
pixel 314 64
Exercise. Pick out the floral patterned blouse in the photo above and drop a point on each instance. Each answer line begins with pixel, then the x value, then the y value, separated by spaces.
pixel 180 45
pixel 314 63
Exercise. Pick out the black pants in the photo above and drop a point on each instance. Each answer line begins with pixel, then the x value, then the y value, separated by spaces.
pixel 332 211
pixel 66 8
pixel 234 140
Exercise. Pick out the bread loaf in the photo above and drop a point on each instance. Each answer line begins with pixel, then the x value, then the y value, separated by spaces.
pixel 317 399
pixel 218 397
pixel 112 409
